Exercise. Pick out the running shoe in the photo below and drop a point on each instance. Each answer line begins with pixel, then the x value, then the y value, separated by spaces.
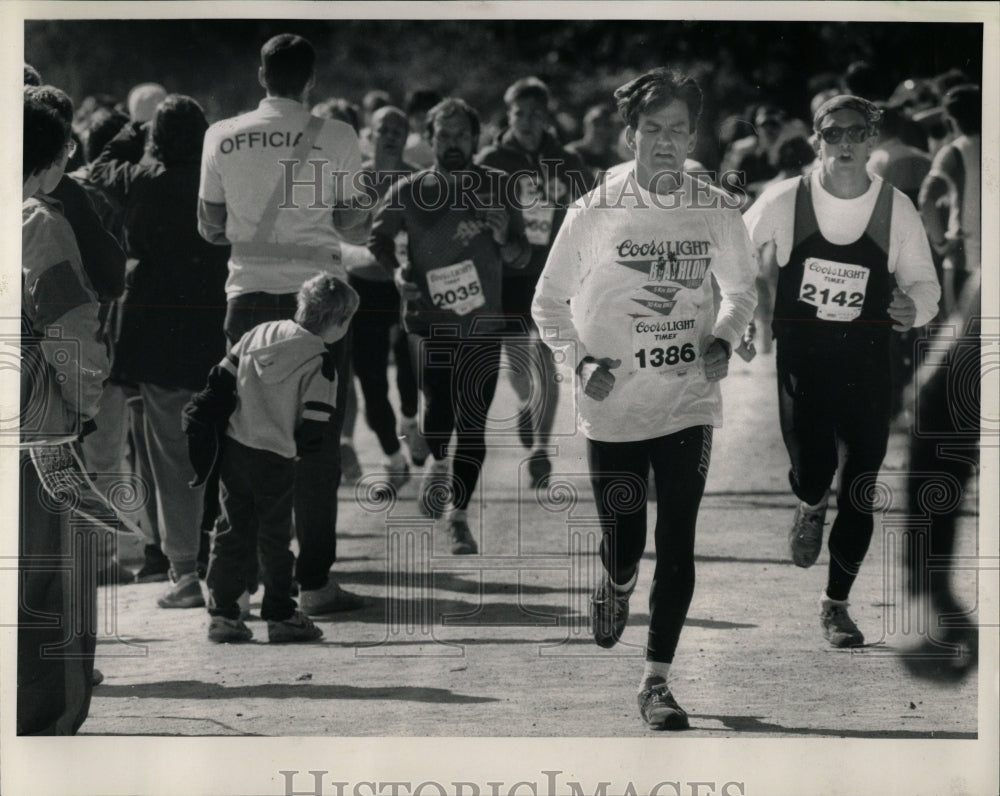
pixel 329 599
pixel 658 707
pixel 298 627
pixel 462 541
pixel 184 593
pixel 838 627
pixel 609 612
pixel 805 539
pixel 228 631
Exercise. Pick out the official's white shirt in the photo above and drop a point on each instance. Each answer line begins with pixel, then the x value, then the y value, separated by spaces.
pixel 842 221
pixel 629 277
pixel 241 164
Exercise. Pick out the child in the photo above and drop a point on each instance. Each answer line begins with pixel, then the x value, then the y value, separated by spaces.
pixel 285 389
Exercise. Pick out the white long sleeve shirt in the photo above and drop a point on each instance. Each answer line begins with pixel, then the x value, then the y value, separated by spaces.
pixel 629 277
pixel 842 221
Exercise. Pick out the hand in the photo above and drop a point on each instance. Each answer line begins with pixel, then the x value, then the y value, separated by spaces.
pixel 715 359
pixel 410 291
pixel 902 310
pixel 495 219
pixel 596 376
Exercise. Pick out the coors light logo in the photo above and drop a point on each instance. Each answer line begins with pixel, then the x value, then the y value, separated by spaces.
pixel 683 262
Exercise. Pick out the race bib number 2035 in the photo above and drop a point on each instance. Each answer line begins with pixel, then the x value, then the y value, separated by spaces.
pixel 456 287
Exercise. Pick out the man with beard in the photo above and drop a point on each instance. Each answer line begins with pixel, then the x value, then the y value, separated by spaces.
pixel 854 266
pixel 461 233
pixel 548 178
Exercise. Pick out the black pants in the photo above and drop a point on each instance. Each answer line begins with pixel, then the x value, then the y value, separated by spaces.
pixel 373 335
pixel 56 612
pixel 618 475
pixel 835 416
pixel 317 475
pixel 458 379
pixel 255 489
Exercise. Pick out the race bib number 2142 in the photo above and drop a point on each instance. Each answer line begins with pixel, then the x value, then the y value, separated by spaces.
pixel 836 290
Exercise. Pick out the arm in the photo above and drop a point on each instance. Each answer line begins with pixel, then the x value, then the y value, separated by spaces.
pixel 211 197
pixel 932 191
pixel 118 163
pixel 910 260
pixel 559 282
pixel 102 257
pixel 735 270
pixel 319 399
pixel 352 212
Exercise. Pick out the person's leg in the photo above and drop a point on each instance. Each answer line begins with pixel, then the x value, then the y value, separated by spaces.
pixel 406 377
pixel 317 478
pixel 680 463
pixel 273 507
pixel 474 384
pixel 179 506
pixel 371 326
pixel 55 662
pixel 437 363
pixel 235 538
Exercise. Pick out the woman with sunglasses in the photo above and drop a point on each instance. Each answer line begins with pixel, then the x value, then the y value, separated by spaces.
pixel 854 266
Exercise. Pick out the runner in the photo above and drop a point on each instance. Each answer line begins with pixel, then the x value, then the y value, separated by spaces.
pixel 626 297
pixel 277 247
pixel 854 266
pixel 548 178
pixel 461 233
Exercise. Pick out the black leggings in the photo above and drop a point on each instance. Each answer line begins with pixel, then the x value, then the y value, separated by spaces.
pixel 372 329
pixel 618 473
pixel 458 379
pixel 834 420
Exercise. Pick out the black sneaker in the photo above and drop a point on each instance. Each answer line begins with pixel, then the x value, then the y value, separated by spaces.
pixel 156 567
pixel 462 541
pixel 658 707
pixel 805 539
pixel 838 627
pixel 609 613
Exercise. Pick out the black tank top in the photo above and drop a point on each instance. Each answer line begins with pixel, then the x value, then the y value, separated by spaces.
pixel 833 299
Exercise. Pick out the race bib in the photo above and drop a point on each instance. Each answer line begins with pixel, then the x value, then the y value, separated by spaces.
pixel 537 212
pixel 836 290
pixel 664 346
pixel 456 287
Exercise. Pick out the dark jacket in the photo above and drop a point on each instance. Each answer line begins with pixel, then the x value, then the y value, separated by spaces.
pixel 174 307
pixel 562 178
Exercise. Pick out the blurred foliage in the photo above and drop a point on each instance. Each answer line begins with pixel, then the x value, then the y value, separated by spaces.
pixel 583 61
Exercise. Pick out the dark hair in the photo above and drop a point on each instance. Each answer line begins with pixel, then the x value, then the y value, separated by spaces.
pixel 289 62
pixel 55 98
pixel 178 130
pixel 527 88
pixel 340 109
pixel 31 76
pixel 449 106
pixel 891 121
pixel 862 80
pixel 659 86
pixel 45 135
pixel 421 101
pixel 795 153
pixel 324 301
pixel 102 125
pixel 964 105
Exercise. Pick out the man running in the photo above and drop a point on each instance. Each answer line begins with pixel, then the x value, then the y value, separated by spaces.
pixel 461 233
pixel 626 297
pixel 547 179
pixel 280 241
pixel 854 266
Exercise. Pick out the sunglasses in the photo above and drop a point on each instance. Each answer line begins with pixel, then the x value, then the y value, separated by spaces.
pixel 854 134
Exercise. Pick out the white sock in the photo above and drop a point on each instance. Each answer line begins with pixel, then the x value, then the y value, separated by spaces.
pixel 817 507
pixel 828 600
pixel 457 515
pixel 347 440
pixel 654 669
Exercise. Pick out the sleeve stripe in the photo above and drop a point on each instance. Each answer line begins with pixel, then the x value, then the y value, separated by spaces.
pixel 319 406
pixel 312 414
pixel 229 364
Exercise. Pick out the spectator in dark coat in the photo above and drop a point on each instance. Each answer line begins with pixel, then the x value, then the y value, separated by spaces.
pixel 172 313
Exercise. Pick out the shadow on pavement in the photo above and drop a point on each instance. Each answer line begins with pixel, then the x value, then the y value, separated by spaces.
pixel 756 724
pixel 196 689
